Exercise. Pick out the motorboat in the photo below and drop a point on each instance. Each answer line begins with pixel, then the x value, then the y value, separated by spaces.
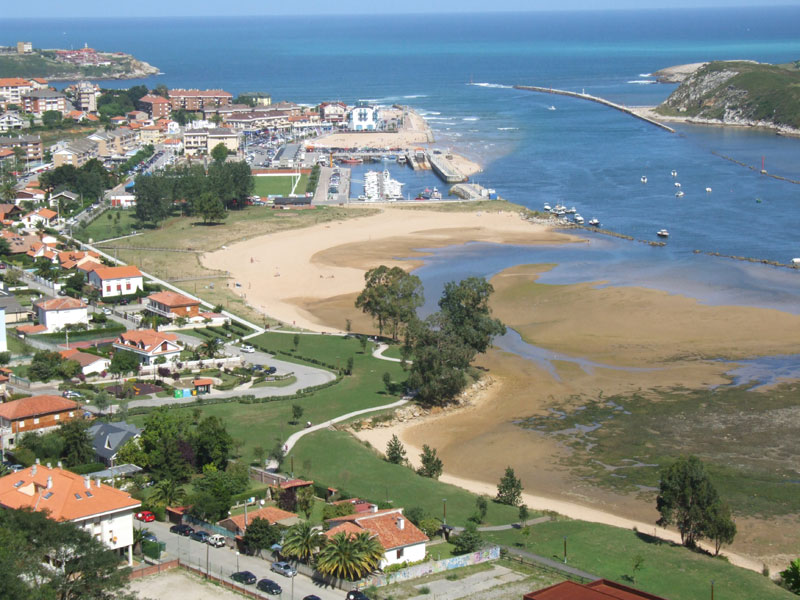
pixel 708 190
pixel 677 184
pixel 594 222
pixel 401 160
pixel 578 219
pixel 644 179
pixel 679 194
pixel 551 107
pixel 547 208
pixel 571 211
pixel 674 173
pixel 662 233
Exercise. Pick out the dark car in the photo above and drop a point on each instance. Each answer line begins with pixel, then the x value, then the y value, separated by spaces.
pixel 356 595
pixel 245 577
pixel 150 537
pixel 182 529
pixel 269 586
pixel 200 536
pixel 311 597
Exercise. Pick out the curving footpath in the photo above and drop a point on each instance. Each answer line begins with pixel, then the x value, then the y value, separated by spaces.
pixel 295 437
pixel 378 353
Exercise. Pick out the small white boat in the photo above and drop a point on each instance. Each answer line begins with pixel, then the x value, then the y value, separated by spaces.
pixel 547 207
pixel 594 222
pixel 674 173
pixel 551 107
pixel 401 160
pixel 571 211
pixel 679 194
pixel 578 219
pixel 662 233
pixel 644 179
pixel 708 190
pixel 677 184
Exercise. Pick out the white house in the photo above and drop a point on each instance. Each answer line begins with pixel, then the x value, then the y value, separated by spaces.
pixel 56 313
pixel 116 281
pixel 364 117
pixel 43 216
pixel 400 538
pixel 91 364
pixel 150 345
pixel 9 121
pixel 103 511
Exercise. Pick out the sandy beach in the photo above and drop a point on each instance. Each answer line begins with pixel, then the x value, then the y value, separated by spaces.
pixel 310 277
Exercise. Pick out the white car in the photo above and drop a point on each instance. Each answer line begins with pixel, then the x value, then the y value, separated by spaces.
pixel 247 348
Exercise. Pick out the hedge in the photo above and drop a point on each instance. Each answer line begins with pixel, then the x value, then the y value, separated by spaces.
pixel 313 361
pixel 82 335
pixel 87 468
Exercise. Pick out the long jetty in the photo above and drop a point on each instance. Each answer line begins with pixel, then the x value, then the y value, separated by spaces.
pixel 614 105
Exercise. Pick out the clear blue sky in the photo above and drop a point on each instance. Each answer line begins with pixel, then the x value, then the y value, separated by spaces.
pixel 133 8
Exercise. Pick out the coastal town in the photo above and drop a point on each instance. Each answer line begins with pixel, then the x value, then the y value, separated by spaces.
pixel 196 377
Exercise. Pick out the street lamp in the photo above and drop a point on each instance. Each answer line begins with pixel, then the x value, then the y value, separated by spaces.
pixel 712 589
pixel 444 511
pixel 565 549
pixel 237 561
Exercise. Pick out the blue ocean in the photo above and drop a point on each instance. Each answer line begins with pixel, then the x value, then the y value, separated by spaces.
pixel 458 70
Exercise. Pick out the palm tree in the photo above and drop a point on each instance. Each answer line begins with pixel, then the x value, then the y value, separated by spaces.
pixel 8 189
pixel 210 347
pixel 138 538
pixel 302 541
pixel 169 493
pixel 350 557
pixel 44 268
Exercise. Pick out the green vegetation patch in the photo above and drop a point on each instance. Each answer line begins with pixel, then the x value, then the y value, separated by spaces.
pixel 279 185
pixel 111 224
pixel 667 570
pixel 747 439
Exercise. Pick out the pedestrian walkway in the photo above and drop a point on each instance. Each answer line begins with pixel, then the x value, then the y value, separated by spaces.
pixel 550 563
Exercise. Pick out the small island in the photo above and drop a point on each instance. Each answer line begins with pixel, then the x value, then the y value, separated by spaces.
pixel 23 60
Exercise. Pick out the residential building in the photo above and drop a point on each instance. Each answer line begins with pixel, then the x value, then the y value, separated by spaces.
pixel 10 212
pixel 42 250
pixel 65 197
pixel 197 100
pixel 69 259
pixel 3 348
pixel 173 305
pixel 203 141
pixel 91 364
pixel 108 438
pixel 260 98
pixel 57 313
pixel 151 134
pixel 38 102
pixel 39 414
pixel 259 119
pixel 30 144
pixel 238 524
pixel 13 310
pixel 157 107
pixel 86 94
pixel 10 121
pixel 116 281
pixel 150 345
pixel 114 143
pixel 24 47
pixel 104 511
pixel 602 589
pixel 12 89
pixel 333 112
pixel 19 242
pixel 43 216
pixel 76 153
pixel 364 117
pixel 400 538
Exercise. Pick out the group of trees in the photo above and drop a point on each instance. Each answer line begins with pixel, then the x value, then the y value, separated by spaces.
pixel 225 186
pixel 68 443
pixel 89 180
pixel 430 463
pixel 116 103
pixel 445 343
pixel 43 559
pixel 47 364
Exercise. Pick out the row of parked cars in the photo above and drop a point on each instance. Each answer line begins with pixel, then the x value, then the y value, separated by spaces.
pixel 216 540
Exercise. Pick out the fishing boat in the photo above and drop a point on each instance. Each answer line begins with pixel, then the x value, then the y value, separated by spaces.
pixel 351 160
pixel 578 219
pixel 594 222
pixel 708 190
pixel 679 194
pixel 662 233
pixel 547 208
pixel 677 184
pixel 551 107
pixel 674 173
pixel 644 179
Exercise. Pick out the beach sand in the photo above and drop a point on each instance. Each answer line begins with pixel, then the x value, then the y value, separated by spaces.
pixel 310 277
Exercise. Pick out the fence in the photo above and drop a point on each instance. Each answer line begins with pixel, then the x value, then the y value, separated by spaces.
pixel 263 476
pixel 437 566
pixel 153 569
pixel 210 527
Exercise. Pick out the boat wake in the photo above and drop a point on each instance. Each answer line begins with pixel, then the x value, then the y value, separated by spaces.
pixel 416 96
pixel 642 81
pixel 493 85
pixel 507 128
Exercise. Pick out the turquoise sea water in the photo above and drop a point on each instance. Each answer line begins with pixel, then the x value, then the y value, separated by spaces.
pixel 458 70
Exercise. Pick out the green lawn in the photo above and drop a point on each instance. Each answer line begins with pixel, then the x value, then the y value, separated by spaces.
pixel 278 383
pixel 108 226
pixel 336 459
pixel 668 570
pixel 279 185
pixel 16 346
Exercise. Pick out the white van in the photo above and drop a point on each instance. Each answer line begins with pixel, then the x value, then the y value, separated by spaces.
pixel 216 540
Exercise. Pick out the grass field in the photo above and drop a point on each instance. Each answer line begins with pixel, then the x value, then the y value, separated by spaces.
pixel 750 453
pixel 279 185
pixel 112 223
pixel 670 571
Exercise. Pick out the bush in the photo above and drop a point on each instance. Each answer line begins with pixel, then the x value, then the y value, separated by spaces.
pixel 87 468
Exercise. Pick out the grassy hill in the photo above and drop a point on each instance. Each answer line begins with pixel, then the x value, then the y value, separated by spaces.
pixel 740 92
pixel 42 64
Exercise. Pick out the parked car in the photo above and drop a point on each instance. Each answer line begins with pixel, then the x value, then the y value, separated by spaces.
pixel 356 595
pixel 71 394
pixel 271 370
pixel 284 568
pixel 269 586
pixel 182 529
pixel 145 516
pixel 311 597
pixel 216 540
pixel 245 577
pixel 150 537
pixel 248 348
pixel 106 311
pixel 200 536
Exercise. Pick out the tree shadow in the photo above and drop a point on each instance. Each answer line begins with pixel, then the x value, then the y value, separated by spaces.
pixel 204 224
pixel 651 539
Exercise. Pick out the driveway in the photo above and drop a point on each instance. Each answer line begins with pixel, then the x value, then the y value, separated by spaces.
pixel 224 561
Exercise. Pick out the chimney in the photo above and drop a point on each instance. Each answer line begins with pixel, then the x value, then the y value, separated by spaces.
pixel 37 461
pixel 49 466
pixel 49 483
pixel 33 468
pixel 97 482
pixel 87 482
pixel 401 523
pixel 60 466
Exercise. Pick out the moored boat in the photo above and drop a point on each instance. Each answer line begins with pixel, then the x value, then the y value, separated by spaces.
pixel 594 222
pixel 662 233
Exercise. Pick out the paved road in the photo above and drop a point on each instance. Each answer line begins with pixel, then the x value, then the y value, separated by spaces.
pixel 223 561
pixel 378 353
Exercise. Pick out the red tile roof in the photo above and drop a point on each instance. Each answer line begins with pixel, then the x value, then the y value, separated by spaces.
pixel 90 265
pixel 349 529
pixel 36 405
pixel 268 513
pixel 199 93
pixel 295 483
pixel 602 589
pixel 147 340
pixel 105 273
pixel 153 99
pixel 31 329
pixel 83 358
pixel 14 82
pixel 173 299
pixel 392 528
pixel 204 381
pixel 63 303
pixel 64 495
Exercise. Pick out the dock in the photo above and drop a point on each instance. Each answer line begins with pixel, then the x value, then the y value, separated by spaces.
pixel 603 101
pixel 444 168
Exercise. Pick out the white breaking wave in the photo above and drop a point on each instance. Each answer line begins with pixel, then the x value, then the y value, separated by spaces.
pixel 645 74
pixel 471 119
pixel 642 81
pixel 507 128
pixel 416 96
pixel 493 85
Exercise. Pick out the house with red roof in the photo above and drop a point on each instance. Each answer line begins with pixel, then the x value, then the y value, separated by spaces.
pixel 150 345
pixel 602 589
pixel 43 216
pixel 116 281
pixel 34 413
pixel 172 305
pixel 401 539
pixel 69 259
pixel 155 106
pixel 104 511
pixel 56 313
pixel 238 524
pixel 91 364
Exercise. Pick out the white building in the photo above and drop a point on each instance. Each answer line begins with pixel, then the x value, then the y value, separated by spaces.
pixel 364 117
pixel 57 313
pixel 91 364
pixel 116 281
pixel 150 345
pixel 103 511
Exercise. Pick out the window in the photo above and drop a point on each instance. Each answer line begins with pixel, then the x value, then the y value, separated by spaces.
pixel 78 497
pixel 400 553
pixel 35 420
pixel 57 417
pixel 128 286
pixel 22 423
pixel 119 287
pixel 71 414
pixel 108 288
